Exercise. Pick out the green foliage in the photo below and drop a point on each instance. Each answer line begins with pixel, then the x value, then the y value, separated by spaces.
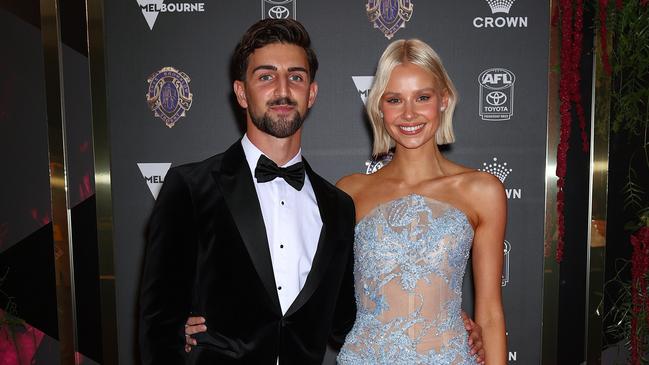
pixel 8 318
pixel 630 62
pixel 620 314
pixel 630 94
pixel 629 116
pixel 632 192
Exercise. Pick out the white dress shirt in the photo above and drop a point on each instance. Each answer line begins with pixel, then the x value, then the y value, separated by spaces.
pixel 293 226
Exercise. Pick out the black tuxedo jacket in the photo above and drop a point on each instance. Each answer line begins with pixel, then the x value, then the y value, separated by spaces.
pixel 207 254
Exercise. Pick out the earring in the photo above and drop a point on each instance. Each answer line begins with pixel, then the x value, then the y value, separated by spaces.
pixel 381 114
pixel 442 108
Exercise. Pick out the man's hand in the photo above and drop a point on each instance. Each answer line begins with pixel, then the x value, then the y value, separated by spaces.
pixel 192 326
pixel 197 325
pixel 475 338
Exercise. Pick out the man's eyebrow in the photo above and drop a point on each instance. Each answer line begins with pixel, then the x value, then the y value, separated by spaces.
pixel 297 68
pixel 264 67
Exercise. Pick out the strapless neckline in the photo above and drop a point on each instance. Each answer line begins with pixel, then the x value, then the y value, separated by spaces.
pixel 378 207
pixel 410 255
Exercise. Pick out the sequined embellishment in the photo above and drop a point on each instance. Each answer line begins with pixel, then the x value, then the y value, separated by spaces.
pixel 409 260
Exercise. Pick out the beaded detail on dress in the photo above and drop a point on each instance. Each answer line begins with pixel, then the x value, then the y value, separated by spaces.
pixel 409 260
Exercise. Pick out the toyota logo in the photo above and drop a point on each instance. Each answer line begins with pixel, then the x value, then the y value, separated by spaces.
pixel 496 98
pixel 278 12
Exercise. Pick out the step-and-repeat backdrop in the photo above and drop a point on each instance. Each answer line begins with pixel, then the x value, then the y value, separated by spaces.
pixel 494 50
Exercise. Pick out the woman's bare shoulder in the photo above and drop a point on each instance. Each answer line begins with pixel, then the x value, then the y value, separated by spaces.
pixel 353 183
pixel 483 187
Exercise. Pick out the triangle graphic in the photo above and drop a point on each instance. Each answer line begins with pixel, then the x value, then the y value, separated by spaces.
pixel 363 85
pixel 154 175
pixel 150 16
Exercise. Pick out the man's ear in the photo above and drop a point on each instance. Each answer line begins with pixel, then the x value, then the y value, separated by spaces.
pixel 313 92
pixel 239 88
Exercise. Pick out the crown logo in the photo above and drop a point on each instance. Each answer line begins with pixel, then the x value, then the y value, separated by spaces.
pixel 500 6
pixel 499 170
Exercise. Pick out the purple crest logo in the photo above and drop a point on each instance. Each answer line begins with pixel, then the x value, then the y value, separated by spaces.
pixel 168 95
pixel 389 15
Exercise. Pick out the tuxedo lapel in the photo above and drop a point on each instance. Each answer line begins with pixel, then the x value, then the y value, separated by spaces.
pixel 240 195
pixel 326 246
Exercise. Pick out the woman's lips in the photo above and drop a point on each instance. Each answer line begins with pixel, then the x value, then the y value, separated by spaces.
pixel 411 129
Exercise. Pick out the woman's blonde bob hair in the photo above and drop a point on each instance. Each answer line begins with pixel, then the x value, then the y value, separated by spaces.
pixel 418 53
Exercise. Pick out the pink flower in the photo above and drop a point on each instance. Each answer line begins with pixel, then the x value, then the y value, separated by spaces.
pixel 18 344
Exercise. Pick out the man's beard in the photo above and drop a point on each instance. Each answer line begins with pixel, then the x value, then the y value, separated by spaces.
pixel 280 127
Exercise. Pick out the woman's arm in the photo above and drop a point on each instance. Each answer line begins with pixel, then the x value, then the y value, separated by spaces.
pixel 490 203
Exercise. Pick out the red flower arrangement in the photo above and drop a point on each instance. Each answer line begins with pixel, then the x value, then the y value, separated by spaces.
pixel 569 95
pixel 18 343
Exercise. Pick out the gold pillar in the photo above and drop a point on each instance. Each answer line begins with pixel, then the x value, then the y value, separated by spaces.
pixel 101 144
pixel 597 204
pixel 550 266
pixel 55 109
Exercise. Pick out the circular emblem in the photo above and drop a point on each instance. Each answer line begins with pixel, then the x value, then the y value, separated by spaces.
pixel 168 95
pixel 496 98
pixel 278 12
pixel 375 164
pixel 389 15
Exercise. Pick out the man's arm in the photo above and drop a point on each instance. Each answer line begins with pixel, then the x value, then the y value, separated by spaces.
pixel 168 274
pixel 345 313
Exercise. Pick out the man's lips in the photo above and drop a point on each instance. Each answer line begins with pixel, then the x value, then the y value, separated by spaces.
pixel 282 108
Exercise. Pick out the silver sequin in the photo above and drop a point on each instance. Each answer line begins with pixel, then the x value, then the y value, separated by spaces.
pixel 410 257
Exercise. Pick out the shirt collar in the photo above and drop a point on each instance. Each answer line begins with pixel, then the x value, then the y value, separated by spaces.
pixel 253 153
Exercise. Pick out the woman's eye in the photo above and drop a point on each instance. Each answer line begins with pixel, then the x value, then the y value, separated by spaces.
pixel 392 100
pixel 424 98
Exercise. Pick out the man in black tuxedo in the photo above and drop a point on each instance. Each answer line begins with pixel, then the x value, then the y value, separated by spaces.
pixel 263 252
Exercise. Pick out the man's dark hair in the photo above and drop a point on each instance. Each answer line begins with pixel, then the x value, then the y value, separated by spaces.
pixel 269 31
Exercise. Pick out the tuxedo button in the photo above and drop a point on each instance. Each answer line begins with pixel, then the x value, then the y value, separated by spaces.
pixel 282 323
pixel 282 202
pixel 281 246
pixel 279 288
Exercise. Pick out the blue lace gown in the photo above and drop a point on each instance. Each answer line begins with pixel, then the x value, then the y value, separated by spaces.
pixel 410 257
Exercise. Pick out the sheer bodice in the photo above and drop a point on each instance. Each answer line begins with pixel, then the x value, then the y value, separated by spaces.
pixel 409 260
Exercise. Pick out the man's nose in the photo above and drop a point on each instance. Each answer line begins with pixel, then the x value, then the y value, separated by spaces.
pixel 282 88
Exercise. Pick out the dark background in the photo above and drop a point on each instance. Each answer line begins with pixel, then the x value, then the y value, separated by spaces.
pixel 336 138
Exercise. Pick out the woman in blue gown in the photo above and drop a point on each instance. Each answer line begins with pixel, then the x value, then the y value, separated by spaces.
pixel 418 219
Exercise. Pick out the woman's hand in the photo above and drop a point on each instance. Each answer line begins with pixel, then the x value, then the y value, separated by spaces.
pixel 193 326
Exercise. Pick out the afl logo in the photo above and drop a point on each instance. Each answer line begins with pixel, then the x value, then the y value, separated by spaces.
pixel 496 94
pixel 168 95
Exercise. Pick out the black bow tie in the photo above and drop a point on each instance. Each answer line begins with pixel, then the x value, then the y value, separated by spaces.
pixel 267 170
